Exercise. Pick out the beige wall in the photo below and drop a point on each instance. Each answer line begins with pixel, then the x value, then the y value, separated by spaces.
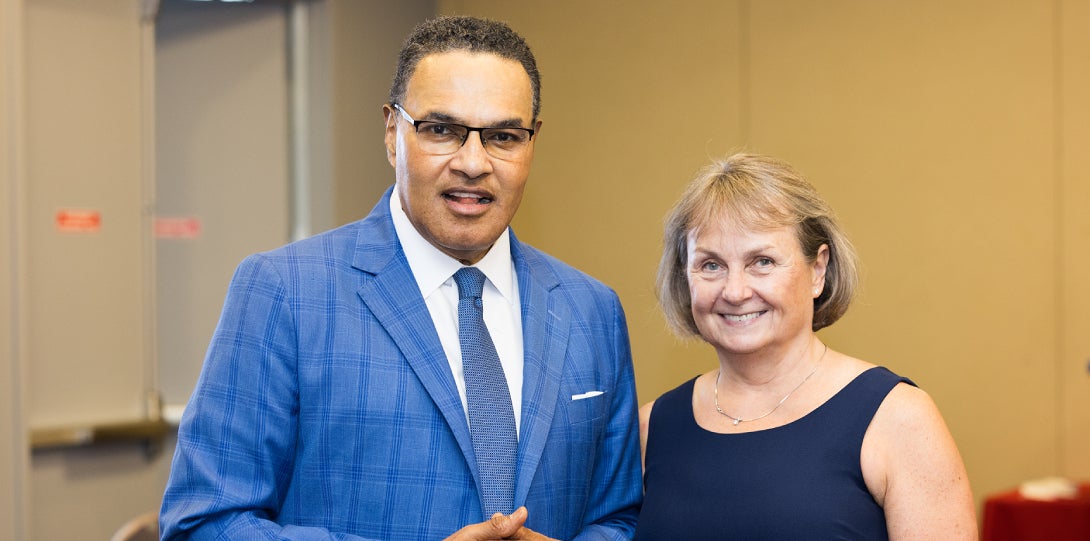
pixel 222 157
pixel 364 41
pixel 948 135
pixel 1072 119
pixel 14 454
pixel 84 137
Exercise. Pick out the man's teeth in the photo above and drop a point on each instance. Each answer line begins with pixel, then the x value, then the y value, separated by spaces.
pixel 461 195
pixel 743 317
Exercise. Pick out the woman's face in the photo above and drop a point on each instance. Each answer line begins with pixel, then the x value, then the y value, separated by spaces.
pixel 752 289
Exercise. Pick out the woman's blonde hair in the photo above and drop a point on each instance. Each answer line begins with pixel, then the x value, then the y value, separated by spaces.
pixel 757 192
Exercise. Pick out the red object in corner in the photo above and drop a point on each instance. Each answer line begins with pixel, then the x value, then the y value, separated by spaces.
pixel 1010 517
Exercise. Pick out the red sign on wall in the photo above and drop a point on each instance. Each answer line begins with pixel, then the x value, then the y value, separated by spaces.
pixel 177 228
pixel 78 221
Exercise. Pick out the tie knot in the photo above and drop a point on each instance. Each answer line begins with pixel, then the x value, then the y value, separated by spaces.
pixel 470 282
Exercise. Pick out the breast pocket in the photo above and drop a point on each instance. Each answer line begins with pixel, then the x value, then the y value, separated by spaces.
pixel 588 405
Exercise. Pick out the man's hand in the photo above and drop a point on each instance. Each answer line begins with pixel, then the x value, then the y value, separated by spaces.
pixel 499 527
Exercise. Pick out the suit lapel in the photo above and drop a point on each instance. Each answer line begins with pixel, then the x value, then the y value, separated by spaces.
pixel 545 323
pixel 397 305
pixel 392 296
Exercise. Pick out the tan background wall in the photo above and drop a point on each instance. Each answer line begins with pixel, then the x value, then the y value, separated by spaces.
pixel 222 159
pixel 365 42
pixel 83 141
pixel 1073 195
pixel 14 454
pixel 948 135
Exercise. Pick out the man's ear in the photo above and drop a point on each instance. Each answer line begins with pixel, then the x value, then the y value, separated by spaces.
pixel 390 138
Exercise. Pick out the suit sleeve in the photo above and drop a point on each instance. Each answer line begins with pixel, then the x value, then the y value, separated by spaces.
pixel 616 491
pixel 237 438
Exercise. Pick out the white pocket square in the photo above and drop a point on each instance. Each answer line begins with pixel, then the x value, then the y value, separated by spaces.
pixel 588 394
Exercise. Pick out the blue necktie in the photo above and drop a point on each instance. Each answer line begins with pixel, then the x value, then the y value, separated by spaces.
pixel 491 417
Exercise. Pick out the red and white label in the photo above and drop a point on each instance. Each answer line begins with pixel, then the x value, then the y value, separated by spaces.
pixel 78 221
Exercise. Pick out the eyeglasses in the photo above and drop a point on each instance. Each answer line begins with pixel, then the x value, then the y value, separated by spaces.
pixel 442 138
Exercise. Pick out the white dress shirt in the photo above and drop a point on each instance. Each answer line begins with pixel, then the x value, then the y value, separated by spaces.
pixel 434 273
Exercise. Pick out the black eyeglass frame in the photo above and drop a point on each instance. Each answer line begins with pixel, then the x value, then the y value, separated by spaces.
pixel 469 129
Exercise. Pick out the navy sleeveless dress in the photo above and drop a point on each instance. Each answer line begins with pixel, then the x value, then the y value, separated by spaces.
pixel 798 481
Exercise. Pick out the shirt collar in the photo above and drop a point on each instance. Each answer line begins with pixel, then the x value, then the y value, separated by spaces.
pixel 432 268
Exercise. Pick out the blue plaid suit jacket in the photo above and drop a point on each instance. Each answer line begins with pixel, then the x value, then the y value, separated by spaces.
pixel 326 408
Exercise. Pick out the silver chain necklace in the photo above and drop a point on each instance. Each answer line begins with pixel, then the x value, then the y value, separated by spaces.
pixel 737 420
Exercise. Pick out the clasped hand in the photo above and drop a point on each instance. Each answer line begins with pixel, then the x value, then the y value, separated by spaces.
pixel 500 527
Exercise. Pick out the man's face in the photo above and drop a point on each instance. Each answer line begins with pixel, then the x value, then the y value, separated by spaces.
pixel 461 202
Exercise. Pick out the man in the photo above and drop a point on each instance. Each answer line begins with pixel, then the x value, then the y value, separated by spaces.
pixel 342 394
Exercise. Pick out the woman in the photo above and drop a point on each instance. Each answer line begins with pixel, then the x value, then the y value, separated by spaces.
pixel 785 438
